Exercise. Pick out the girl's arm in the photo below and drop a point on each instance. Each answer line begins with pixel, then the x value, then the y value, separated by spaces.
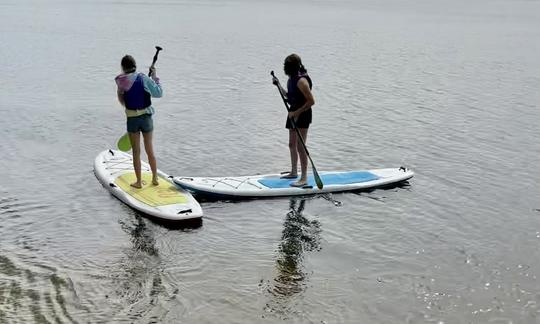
pixel 153 86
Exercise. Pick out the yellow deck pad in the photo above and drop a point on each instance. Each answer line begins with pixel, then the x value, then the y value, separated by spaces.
pixel 163 194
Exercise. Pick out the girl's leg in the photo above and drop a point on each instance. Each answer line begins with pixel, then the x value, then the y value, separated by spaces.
pixel 149 148
pixel 136 150
pixel 303 157
pixel 293 143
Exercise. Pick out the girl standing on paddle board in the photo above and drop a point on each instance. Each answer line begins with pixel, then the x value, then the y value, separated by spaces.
pixel 134 93
pixel 301 100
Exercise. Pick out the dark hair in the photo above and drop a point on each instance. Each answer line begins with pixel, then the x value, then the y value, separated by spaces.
pixel 128 64
pixel 293 65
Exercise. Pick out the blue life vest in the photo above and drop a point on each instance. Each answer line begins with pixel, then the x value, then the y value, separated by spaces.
pixel 295 97
pixel 137 97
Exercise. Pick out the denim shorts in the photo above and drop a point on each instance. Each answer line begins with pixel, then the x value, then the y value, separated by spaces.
pixel 142 123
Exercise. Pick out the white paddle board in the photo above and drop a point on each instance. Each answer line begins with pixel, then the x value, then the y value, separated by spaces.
pixel 114 169
pixel 272 185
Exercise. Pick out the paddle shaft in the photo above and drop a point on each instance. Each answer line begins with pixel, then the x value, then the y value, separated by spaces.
pixel 315 173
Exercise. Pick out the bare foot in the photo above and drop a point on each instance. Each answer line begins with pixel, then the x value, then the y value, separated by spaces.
pixel 299 183
pixel 155 182
pixel 137 185
pixel 289 175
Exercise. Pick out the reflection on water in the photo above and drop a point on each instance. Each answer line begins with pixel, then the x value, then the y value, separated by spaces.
pixel 141 237
pixel 139 279
pixel 299 235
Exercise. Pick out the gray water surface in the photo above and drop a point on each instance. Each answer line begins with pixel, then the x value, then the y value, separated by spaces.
pixel 448 89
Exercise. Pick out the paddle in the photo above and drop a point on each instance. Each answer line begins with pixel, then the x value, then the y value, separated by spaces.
pixel 318 180
pixel 124 144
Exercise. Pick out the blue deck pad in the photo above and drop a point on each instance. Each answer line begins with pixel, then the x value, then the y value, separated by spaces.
pixel 328 179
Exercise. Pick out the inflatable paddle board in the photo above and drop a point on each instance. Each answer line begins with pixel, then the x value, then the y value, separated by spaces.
pixel 272 185
pixel 114 169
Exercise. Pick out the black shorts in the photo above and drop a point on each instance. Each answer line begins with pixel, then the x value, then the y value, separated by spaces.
pixel 302 121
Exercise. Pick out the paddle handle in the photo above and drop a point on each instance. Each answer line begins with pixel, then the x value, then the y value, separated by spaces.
pixel 154 60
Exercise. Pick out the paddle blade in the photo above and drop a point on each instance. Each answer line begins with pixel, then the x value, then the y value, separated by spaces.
pixel 124 144
pixel 318 180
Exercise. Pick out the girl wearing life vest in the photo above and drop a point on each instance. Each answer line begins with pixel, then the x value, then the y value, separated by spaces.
pixel 301 100
pixel 134 93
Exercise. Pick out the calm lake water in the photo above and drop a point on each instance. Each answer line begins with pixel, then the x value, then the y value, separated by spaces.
pixel 450 89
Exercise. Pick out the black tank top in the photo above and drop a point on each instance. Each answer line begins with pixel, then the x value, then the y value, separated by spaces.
pixel 294 96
